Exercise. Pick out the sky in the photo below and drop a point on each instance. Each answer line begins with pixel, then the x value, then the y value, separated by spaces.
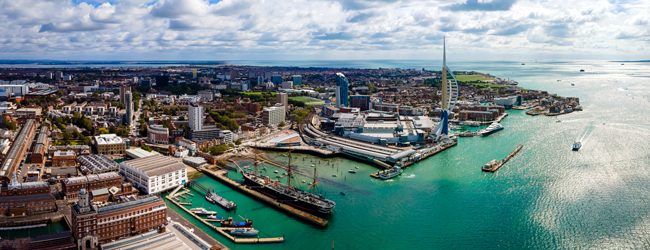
pixel 323 29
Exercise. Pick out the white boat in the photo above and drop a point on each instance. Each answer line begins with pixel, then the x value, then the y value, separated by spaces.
pixel 334 175
pixel 275 171
pixel 352 171
pixel 388 174
pixel 494 127
pixel 244 232
pixel 202 211
pixel 558 121
pixel 303 181
pixel 576 146
pixel 356 167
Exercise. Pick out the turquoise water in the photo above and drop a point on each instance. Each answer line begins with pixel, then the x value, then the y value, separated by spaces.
pixel 546 197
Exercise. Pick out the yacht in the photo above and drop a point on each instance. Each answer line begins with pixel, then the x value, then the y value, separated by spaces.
pixel 244 232
pixel 494 127
pixel 202 211
pixel 576 146
pixel 352 171
pixel 275 171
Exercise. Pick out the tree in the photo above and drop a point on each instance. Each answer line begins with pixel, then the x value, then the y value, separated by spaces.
pixel 181 118
pixel 238 142
pixel 9 124
pixel 103 131
pixel 147 148
pixel 230 145
pixel 282 124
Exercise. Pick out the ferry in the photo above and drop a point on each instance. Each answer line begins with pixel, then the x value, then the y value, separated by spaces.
pixel 202 211
pixel 576 146
pixel 493 128
pixel 390 173
pixel 244 232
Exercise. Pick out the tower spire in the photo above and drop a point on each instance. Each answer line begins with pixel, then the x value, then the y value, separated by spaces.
pixel 444 52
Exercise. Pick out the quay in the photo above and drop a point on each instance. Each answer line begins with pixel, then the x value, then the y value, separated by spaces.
pixel 223 231
pixel 424 156
pixel 496 167
pixel 221 175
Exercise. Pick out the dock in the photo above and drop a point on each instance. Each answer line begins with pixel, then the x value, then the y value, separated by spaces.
pixel 221 175
pixel 223 232
pixel 503 162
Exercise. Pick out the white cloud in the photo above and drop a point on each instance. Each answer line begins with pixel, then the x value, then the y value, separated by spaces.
pixel 314 29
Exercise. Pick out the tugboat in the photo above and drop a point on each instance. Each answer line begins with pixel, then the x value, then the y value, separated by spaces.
pixel 576 146
pixel 244 232
pixel 287 194
pixel 390 173
pixel 231 223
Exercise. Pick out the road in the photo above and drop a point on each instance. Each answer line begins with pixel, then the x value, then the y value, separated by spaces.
pixel 136 124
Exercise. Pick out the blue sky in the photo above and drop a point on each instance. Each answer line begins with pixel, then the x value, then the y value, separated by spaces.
pixel 323 29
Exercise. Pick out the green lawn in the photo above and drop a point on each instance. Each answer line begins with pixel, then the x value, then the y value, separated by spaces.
pixel 307 100
pixel 468 78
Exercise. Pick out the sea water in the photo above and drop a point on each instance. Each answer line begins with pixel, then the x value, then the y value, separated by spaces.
pixel 546 197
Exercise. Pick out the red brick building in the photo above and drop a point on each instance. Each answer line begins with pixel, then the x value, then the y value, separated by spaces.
pixel 91 227
pixel 72 186
pixel 22 199
pixel 253 107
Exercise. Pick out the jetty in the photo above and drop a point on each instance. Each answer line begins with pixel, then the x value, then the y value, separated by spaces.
pixel 494 167
pixel 223 231
pixel 222 176
pixel 214 197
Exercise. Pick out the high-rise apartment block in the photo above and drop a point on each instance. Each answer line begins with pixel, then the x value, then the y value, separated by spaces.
pixel 195 113
pixel 272 116
pixel 341 90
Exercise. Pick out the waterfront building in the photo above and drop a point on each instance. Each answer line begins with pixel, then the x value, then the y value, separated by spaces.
pixel 227 135
pixel 110 144
pixel 297 80
pixel 195 113
pixel 341 90
pixel 98 163
pixel 282 98
pixel 272 116
pixel 508 102
pixel 129 108
pixel 157 134
pixel 360 101
pixel 92 225
pixel 276 80
pixel 17 151
pixel 154 174
pixel 71 186
pixel 64 159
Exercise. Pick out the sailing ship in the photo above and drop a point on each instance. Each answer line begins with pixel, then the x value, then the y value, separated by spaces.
pixel 287 194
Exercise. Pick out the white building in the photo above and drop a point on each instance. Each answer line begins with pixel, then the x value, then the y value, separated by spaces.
pixel 272 116
pixel 195 113
pixel 228 135
pixel 154 174
pixel 15 89
pixel 287 85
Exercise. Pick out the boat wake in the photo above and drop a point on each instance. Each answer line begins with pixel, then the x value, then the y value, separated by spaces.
pixel 410 176
pixel 388 180
pixel 584 136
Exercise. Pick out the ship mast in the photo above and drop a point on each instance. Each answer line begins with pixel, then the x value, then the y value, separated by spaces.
pixel 255 159
pixel 314 191
pixel 289 171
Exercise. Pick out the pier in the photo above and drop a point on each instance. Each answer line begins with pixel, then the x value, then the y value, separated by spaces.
pixel 223 232
pixel 221 175
pixel 505 160
pixel 223 202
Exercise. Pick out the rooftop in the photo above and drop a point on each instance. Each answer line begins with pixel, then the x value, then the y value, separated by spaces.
pixel 108 139
pixel 138 153
pixel 155 165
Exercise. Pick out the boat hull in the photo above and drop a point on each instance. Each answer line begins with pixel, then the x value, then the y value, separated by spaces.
pixel 287 199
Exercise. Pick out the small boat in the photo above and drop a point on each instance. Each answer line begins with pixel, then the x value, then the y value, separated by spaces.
pixel 342 193
pixel 231 223
pixel 312 165
pixel 284 155
pixel 285 173
pixel 303 181
pixel 334 175
pixel 356 167
pixel 558 121
pixel 523 64
pixel 276 171
pixel 244 232
pixel 278 176
pixel 576 146
pixel 352 171
pixel 293 176
pixel 573 84
pixel 264 168
pixel 214 217
pixel 202 211
pixel 559 80
pixel 582 70
pixel 622 63
pixel 309 183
